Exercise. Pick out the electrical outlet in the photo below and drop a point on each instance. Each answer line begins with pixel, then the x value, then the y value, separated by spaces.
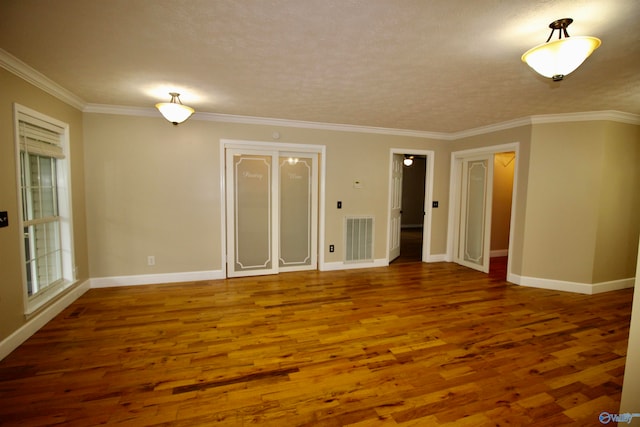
pixel 151 260
pixel 332 248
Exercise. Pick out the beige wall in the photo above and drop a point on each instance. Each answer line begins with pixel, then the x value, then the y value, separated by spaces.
pixel 154 189
pixel 16 90
pixel 618 223
pixel 440 215
pixel 582 208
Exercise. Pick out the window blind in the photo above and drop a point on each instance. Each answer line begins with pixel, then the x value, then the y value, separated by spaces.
pixel 41 141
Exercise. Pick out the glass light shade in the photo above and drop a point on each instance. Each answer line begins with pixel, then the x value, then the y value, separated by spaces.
pixel 558 58
pixel 408 161
pixel 174 112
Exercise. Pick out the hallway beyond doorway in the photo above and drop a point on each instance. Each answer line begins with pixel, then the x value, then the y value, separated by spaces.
pixel 410 246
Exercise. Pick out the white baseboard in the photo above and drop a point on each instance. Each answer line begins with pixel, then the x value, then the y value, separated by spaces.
pixel 575 287
pixel 513 278
pixel 499 252
pixel 340 265
pixel 151 279
pixel 40 319
pixel 614 285
pixel 437 258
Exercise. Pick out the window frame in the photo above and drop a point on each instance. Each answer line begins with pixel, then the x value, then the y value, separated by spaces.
pixel 63 216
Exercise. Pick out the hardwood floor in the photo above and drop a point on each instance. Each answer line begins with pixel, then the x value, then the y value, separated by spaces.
pixel 412 345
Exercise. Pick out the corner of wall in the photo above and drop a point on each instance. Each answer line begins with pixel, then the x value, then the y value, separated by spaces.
pixel 23 333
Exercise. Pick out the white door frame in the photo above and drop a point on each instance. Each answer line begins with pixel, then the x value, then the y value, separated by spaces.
pixel 428 199
pixel 280 147
pixel 455 193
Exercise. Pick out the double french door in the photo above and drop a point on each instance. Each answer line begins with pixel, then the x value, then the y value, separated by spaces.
pixel 271 199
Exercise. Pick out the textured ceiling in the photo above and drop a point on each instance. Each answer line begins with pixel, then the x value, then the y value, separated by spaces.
pixel 426 65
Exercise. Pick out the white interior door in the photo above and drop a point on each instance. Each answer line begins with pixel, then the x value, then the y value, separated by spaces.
pixel 474 237
pixel 395 214
pixel 252 212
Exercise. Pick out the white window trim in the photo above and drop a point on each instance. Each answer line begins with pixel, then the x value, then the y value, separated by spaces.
pixel 35 302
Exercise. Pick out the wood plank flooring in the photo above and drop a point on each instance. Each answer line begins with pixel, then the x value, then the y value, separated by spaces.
pixel 410 345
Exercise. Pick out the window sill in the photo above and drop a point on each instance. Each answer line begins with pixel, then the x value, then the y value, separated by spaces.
pixel 47 297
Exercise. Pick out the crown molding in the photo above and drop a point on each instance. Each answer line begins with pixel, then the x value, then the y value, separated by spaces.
pixel 27 73
pixel 121 110
pixel 524 121
pixel 611 115
pixel 265 121
pixel 227 118
pixel 39 80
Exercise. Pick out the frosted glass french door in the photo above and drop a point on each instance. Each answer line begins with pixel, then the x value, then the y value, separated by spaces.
pixel 473 249
pixel 271 212
pixel 298 211
pixel 252 187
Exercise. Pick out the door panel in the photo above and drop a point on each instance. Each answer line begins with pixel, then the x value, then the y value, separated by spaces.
pixel 396 207
pixel 251 191
pixel 475 213
pixel 298 211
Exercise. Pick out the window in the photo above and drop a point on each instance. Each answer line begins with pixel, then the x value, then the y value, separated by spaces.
pixel 42 145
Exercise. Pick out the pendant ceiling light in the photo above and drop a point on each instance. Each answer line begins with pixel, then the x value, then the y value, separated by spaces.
pixel 558 58
pixel 174 110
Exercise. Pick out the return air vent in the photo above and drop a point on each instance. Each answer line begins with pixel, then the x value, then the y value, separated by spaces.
pixel 358 239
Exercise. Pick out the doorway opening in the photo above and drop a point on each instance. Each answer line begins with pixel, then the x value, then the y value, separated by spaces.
pixel 411 185
pixel 412 219
pixel 503 176
pixel 481 215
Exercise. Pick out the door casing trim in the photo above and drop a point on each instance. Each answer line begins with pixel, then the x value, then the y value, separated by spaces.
pixel 454 192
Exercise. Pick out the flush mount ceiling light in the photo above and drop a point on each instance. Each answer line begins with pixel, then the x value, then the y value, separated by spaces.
pixel 560 57
pixel 408 160
pixel 174 110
